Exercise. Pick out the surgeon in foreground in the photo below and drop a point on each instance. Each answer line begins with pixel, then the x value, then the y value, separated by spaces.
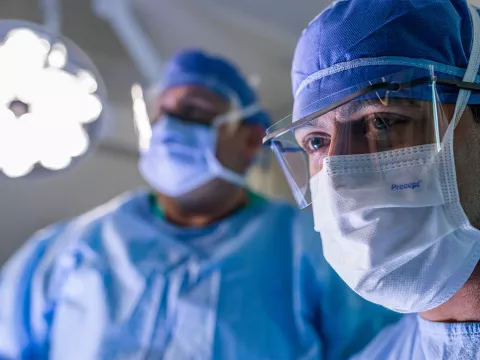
pixel 384 142
pixel 200 269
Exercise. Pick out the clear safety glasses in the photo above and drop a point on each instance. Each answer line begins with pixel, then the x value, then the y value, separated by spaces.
pixel 394 112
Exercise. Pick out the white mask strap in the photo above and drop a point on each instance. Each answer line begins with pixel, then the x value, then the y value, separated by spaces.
pixel 219 169
pixel 223 173
pixel 236 115
pixel 473 66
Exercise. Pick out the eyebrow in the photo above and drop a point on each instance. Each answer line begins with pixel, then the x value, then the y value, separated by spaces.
pixel 199 103
pixel 349 110
pixel 357 107
pixel 186 105
pixel 345 113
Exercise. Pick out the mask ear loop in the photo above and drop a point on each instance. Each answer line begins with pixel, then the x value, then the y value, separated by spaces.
pixel 473 66
pixel 233 117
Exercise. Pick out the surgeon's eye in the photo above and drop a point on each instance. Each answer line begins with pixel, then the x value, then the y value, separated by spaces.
pixel 314 143
pixel 378 124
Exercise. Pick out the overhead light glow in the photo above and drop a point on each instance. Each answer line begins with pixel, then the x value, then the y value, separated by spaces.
pixel 44 105
pixel 87 81
pixel 58 56
pixel 141 118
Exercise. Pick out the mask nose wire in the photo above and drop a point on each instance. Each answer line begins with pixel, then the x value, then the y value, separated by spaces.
pixel 473 66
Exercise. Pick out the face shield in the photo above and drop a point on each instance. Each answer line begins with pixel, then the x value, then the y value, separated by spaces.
pixel 398 111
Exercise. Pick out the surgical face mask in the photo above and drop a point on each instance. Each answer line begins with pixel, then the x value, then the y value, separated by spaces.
pixel 397 236
pixel 182 157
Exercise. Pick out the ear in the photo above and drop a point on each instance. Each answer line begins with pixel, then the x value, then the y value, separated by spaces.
pixel 253 139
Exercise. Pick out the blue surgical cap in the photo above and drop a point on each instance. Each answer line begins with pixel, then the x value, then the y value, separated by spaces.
pixel 193 67
pixel 356 41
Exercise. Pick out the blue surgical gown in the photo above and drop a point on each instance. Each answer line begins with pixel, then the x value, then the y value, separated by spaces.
pixel 120 282
pixel 414 338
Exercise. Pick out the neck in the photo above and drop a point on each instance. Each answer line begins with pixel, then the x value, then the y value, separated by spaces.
pixel 464 306
pixel 206 215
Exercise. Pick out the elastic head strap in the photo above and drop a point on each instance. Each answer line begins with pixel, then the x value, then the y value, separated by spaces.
pixel 473 65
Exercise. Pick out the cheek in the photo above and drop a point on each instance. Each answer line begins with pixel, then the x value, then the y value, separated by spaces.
pixel 315 163
pixel 467 166
pixel 461 155
pixel 223 148
pixel 229 150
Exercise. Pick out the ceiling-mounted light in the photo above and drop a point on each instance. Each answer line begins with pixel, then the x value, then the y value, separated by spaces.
pixel 52 101
pixel 141 119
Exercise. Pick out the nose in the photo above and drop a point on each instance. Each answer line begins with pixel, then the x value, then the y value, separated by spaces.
pixel 349 141
pixel 338 146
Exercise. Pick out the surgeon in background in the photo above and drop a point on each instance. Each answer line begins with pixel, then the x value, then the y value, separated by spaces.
pixel 200 268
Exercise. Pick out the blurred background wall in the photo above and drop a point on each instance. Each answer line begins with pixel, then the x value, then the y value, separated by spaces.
pixel 259 35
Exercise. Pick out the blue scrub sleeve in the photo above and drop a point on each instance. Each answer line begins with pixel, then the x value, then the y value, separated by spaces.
pixel 26 309
pixel 310 266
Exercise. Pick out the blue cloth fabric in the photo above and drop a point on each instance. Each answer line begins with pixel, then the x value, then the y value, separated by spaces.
pixel 121 283
pixel 417 339
pixel 194 67
pixel 354 42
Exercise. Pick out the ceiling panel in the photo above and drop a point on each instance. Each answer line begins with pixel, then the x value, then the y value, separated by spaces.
pixel 285 16
pixel 258 36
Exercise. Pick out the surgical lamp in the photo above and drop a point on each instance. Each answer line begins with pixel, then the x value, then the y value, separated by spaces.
pixel 52 101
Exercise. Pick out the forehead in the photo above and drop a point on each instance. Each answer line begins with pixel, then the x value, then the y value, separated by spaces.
pixel 361 107
pixel 358 109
